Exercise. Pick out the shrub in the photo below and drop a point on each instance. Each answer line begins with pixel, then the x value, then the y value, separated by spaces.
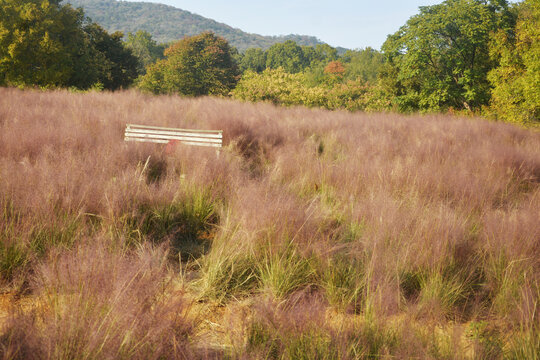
pixel 278 87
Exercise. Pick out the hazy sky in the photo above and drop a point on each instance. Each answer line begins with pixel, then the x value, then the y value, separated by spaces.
pixel 348 23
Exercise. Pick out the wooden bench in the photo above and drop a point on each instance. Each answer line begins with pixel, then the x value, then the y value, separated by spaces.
pixel 162 135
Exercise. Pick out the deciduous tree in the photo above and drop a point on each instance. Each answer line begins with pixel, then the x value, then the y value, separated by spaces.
pixel 287 55
pixel 194 66
pixel 43 43
pixel 118 66
pixel 253 59
pixel 146 49
pixel 39 42
pixel 335 69
pixel 440 57
pixel 364 64
pixel 516 82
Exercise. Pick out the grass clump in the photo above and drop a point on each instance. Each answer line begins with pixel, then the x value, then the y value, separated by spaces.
pixel 301 328
pixel 292 330
pixel 63 232
pixel 13 258
pixel 184 222
pixel 22 241
pixel 486 339
pixel 524 345
pixel 13 251
pixel 285 271
pixel 228 270
pixel 224 275
pixel 440 295
pixel 344 283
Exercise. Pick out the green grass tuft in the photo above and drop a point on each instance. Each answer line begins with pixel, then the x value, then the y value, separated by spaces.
pixel 344 282
pixel 284 271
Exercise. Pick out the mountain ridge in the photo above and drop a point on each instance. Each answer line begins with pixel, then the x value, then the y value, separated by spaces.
pixel 167 23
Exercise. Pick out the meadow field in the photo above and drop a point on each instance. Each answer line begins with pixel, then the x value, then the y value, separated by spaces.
pixel 314 234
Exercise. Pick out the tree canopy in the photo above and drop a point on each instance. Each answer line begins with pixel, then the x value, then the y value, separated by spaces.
pixel 194 66
pixel 253 59
pixel 116 66
pixel 39 42
pixel 288 55
pixel 440 57
pixel 146 49
pixel 43 43
pixel 516 82
pixel 364 64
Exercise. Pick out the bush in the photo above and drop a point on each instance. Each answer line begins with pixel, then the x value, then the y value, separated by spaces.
pixel 278 87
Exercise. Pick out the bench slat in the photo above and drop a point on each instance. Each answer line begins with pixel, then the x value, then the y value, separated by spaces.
pixel 173 129
pixel 148 140
pixel 162 135
pixel 174 133
pixel 170 137
pixel 167 141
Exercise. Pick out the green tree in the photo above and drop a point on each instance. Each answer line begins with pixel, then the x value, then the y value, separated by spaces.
pixel 440 57
pixel 39 42
pixel 146 49
pixel 287 55
pixel 253 59
pixel 364 65
pixel 116 66
pixel 323 54
pixel 516 82
pixel 102 60
pixel 43 43
pixel 309 55
pixel 194 66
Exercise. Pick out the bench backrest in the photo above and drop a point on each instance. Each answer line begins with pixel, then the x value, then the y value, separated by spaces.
pixel 164 135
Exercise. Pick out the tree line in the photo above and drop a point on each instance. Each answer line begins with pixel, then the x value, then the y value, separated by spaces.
pixel 470 56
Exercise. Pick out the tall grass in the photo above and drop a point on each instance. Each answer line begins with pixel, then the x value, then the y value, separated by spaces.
pixel 95 304
pixel 420 233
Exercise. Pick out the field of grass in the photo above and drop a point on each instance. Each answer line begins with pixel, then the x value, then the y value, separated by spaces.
pixel 314 234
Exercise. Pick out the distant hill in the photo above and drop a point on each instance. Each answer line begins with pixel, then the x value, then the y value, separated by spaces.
pixel 167 23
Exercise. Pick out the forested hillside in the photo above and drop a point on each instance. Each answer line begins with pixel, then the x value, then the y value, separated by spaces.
pixel 167 23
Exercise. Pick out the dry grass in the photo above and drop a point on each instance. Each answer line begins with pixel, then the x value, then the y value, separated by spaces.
pixel 383 220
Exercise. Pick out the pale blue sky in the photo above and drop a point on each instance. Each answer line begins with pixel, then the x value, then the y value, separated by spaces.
pixel 348 23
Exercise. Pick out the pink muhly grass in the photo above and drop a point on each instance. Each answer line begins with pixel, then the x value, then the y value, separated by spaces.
pixel 420 204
